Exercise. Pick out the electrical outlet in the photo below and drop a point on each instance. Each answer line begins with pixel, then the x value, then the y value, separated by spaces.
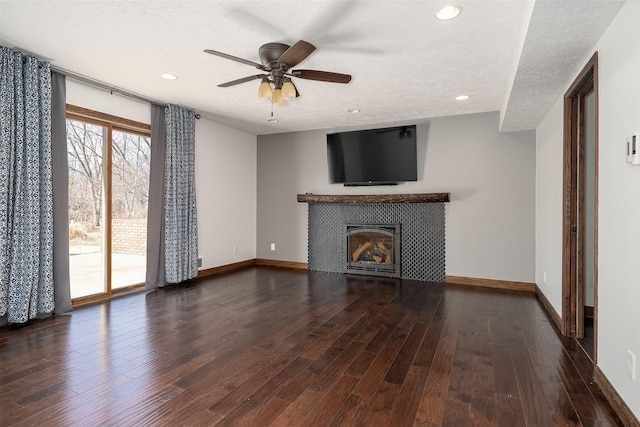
pixel 631 365
pixel 544 276
pixel 199 262
pixel 273 246
pixel 235 249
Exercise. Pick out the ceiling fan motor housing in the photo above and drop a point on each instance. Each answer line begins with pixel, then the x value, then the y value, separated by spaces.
pixel 270 53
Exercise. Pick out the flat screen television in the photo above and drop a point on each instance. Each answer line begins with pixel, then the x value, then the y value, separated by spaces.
pixel 373 157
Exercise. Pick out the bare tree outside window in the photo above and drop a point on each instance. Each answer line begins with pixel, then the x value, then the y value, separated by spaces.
pixel 130 175
pixel 85 145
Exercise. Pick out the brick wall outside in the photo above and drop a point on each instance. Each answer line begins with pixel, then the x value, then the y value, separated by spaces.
pixel 129 236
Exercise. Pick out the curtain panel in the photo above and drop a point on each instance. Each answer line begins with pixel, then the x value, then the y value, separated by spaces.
pixel 26 196
pixel 180 220
pixel 155 218
pixel 60 182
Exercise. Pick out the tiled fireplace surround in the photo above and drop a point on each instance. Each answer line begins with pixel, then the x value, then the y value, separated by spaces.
pixel 422 230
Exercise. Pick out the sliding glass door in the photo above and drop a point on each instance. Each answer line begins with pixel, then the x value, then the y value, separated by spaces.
pixel 108 194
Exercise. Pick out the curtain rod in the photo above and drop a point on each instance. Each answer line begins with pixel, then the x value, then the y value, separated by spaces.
pixel 109 88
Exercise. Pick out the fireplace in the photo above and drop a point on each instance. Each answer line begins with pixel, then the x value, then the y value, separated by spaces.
pixel 373 249
pixel 418 221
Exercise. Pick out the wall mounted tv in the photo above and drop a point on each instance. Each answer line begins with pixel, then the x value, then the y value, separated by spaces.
pixel 373 157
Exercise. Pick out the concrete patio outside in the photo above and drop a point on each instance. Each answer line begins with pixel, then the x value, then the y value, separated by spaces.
pixel 86 270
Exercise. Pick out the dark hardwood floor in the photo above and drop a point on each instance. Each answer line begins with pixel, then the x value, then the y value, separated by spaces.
pixel 588 343
pixel 266 346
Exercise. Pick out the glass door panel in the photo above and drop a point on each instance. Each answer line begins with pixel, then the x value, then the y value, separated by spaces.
pixel 85 150
pixel 129 199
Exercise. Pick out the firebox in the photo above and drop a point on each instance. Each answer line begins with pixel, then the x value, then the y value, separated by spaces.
pixel 373 249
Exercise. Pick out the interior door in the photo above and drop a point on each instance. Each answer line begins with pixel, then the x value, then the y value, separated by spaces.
pixel 580 216
pixel 584 210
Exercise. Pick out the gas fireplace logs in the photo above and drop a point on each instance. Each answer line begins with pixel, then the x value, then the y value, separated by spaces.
pixel 370 251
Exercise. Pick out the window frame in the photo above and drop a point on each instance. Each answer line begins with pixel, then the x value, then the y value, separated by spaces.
pixel 111 123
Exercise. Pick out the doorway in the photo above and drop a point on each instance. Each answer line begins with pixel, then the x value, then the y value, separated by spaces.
pixel 580 213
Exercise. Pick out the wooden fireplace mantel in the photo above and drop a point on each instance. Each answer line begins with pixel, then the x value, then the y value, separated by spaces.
pixel 374 198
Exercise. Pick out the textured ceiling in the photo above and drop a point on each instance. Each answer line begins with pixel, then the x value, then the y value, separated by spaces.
pixel 512 56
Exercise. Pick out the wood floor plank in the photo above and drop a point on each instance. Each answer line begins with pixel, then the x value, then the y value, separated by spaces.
pixel 255 382
pixel 268 346
pixel 361 364
pixel 337 367
pixel 191 408
pixel 406 405
pixel 265 415
pixel 483 410
pixel 398 370
pixel 373 377
pixel 299 409
pixel 456 414
pixel 334 398
pixel 259 397
pixel 504 373
pixel 509 411
pixel 381 403
pixel 384 332
pixel 436 390
pixel 532 393
pixel 548 355
pixel 349 412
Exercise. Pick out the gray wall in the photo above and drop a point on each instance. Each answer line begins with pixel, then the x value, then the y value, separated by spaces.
pixel 491 178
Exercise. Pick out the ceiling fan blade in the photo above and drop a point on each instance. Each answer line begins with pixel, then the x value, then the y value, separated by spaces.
pixel 296 53
pixel 235 58
pixel 242 80
pixel 323 76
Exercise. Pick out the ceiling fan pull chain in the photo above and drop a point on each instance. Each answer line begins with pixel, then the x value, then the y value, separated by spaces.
pixel 272 119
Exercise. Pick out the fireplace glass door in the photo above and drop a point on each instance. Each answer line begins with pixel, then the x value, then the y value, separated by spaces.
pixel 373 249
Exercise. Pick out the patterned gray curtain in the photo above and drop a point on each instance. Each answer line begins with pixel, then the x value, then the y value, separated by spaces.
pixel 181 228
pixel 26 199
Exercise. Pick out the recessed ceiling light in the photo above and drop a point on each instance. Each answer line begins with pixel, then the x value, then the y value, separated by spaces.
pixel 353 111
pixel 168 76
pixel 462 97
pixel 273 120
pixel 448 12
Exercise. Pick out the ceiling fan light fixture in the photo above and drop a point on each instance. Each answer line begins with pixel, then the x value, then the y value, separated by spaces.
pixel 264 90
pixel 448 12
pixel 277 59
pixel 277 97
pixel 288 89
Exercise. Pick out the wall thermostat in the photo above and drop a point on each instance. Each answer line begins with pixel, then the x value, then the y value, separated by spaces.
pixel 635 150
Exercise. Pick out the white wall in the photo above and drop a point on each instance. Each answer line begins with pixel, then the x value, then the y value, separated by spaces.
pixel 226 193
pixel 225 176
pixel 83 95
pixel 490 219
pixel 619 203
pixel 549 165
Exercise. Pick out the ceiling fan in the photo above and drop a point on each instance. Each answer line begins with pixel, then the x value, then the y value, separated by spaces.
pixel 277 61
